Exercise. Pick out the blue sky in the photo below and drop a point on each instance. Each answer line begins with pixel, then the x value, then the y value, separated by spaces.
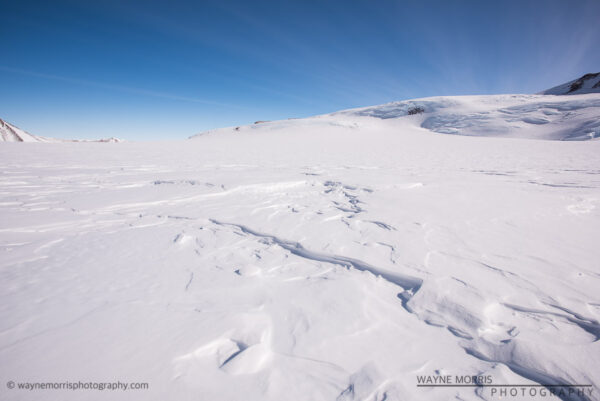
pixel 166 70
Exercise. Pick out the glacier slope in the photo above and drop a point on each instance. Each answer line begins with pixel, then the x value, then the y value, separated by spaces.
pixel 566 118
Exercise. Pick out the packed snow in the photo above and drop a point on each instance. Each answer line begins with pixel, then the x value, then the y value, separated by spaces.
pixel 339 257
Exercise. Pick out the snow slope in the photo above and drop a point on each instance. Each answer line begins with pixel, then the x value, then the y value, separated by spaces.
pixel 588 83
pixel 333 258
pixel 564 118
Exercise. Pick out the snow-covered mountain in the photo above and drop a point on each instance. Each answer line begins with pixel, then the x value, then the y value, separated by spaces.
pixel 588 83
pixel 11 133
pixel 510 116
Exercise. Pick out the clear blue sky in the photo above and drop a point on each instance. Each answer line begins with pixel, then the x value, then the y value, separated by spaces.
pixel 166 70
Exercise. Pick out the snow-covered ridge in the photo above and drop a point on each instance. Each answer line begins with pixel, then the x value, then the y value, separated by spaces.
pixel 12 133
pixel 512 116
pixel 588 83
pixel 112 139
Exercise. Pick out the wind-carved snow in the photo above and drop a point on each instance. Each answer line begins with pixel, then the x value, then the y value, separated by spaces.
pixel 407 283
pixel 336 257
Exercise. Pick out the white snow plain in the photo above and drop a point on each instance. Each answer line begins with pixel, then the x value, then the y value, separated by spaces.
pixel 332 258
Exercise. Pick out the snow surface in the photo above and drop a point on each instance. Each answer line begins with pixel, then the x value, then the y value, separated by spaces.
pixel 330 258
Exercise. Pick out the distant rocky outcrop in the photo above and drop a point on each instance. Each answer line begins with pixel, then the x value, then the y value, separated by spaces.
pixel 588 83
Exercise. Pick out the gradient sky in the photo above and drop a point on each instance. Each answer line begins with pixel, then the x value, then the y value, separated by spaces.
pixel 167 70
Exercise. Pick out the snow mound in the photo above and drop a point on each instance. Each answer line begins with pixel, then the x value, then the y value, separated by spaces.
pixel 588 83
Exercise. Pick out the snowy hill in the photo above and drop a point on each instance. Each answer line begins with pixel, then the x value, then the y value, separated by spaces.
pixel 11 133
pixel 588 83
pixel 510 116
